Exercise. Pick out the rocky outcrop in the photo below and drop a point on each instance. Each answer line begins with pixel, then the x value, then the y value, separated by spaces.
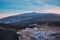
pixel 38 34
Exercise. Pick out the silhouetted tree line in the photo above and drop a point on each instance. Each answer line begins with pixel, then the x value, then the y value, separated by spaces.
pixel 23 26
pixel 13 26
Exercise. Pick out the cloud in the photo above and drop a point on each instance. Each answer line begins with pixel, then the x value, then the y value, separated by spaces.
pixel 51 9
pixel 51 2
pixel 49 6
pixel 45 9
pixel 14 7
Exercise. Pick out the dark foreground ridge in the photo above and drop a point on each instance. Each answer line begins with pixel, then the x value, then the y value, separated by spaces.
pixel 8 35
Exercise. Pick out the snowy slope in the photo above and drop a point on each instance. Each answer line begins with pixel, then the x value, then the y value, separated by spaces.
pixel 29 18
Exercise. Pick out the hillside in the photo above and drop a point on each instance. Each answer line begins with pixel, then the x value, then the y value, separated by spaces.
pixel 24 20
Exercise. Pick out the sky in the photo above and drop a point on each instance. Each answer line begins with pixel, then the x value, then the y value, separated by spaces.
pixel 14 7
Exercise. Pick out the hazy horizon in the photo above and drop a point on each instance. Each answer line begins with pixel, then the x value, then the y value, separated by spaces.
pixel 14 7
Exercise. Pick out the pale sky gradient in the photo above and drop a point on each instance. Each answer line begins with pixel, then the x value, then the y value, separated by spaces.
pixel 14 7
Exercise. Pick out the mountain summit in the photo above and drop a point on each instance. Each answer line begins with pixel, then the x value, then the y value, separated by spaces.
pixel 30 18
